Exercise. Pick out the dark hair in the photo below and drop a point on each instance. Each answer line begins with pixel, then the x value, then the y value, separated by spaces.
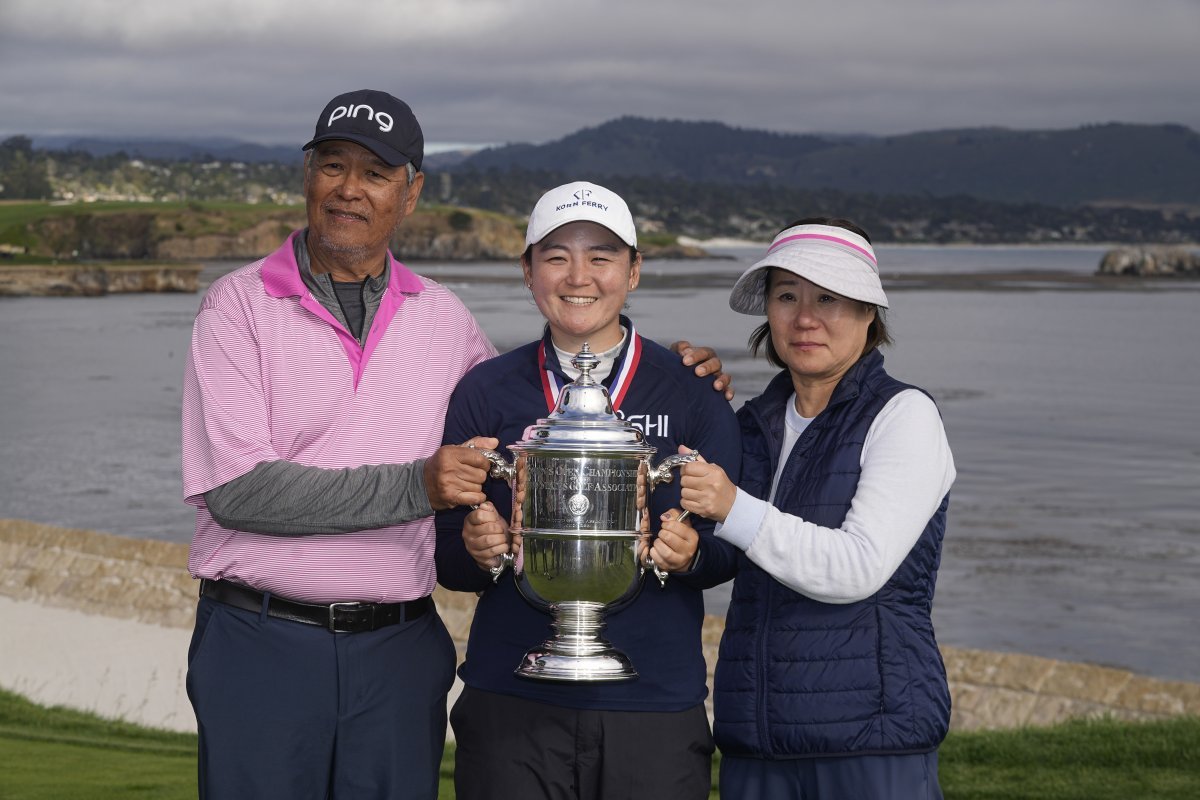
pixel 877 331
pixel 836 222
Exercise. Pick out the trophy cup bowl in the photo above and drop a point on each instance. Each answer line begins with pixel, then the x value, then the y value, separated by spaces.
pixel 581 481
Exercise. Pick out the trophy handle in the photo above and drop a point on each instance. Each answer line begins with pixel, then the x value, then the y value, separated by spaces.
pixel 500 468
pixel 506 561
pixel 650 565
pixel 505 471
pixel 662 473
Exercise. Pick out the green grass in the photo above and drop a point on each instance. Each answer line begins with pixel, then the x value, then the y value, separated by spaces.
pixel 1081 760
pixel 15 213
pixel 19 212
pixel 192 218
pixel 54 753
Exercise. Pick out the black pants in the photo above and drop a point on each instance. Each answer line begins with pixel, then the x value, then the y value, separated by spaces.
pixel 508 748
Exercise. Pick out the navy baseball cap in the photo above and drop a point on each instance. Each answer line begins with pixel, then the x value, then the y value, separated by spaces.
pixel 383 124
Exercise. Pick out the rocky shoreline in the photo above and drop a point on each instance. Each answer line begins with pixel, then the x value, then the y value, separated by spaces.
pixel 1168 262
pixel 200 233
pixel 160 252
pixel 93 280
pixel 144 584
pixel 72 280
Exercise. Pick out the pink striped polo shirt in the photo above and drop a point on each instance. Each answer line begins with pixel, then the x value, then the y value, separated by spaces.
pixel 272 375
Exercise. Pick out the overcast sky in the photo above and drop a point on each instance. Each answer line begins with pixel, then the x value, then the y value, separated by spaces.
pixel 491 71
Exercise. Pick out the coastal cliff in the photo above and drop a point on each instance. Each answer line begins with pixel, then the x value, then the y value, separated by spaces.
pixel 202 233
pixel 207 233
pixel 165 239
pixel 158 249
pixel 69 280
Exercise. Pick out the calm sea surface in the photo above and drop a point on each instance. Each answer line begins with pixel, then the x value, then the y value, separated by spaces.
pixel 1074 526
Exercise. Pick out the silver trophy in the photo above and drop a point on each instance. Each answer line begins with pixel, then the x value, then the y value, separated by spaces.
pixel 581 482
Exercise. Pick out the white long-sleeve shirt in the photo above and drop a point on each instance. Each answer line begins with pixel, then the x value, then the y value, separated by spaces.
pixel 907 468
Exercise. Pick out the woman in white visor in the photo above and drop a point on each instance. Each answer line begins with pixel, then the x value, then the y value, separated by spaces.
pixel 829 682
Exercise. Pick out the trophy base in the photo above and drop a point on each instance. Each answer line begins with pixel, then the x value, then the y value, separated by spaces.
pixel 547 665
pixel 577 653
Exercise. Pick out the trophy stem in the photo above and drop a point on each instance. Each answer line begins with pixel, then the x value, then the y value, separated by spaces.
pixel 577 652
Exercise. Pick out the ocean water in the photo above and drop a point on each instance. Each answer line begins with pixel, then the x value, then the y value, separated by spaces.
pixel 1074 527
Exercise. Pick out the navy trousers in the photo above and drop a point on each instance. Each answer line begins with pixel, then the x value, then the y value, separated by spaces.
pixel 291 711
pixel 907 777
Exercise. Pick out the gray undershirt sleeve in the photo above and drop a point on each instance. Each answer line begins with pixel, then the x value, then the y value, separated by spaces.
pixel 283 498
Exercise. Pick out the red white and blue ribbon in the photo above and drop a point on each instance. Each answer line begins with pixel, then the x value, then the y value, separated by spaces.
pixel 552 384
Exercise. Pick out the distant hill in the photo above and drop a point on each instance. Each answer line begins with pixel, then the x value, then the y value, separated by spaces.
pixel 662 148
pixel 1101 183
pixel 1111 164
pixel 216 149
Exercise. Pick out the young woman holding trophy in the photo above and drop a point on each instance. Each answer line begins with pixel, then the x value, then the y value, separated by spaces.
pixel 605 735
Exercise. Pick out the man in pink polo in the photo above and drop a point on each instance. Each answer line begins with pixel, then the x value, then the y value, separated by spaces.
pixel 314 398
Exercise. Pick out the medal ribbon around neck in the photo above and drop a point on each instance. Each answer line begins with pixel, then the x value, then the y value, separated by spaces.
pixel 552 384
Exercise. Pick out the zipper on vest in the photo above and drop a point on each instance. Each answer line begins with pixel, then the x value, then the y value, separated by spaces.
pixel 761 700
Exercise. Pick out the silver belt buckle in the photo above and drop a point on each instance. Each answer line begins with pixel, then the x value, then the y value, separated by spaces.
pixel 333 615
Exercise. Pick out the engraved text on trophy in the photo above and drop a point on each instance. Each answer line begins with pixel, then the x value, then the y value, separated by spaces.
pixel 581 493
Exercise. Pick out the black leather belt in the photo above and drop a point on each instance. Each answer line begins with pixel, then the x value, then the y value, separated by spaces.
pixel 336 617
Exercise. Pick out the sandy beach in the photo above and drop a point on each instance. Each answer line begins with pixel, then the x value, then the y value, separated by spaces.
pixel 116 668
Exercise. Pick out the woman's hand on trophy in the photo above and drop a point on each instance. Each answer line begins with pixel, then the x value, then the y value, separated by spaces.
pixel 705 489
pixel 675 547
pixel 485 534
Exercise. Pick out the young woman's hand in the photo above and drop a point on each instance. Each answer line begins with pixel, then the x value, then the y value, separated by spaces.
pixel 486 535
pixel 675 547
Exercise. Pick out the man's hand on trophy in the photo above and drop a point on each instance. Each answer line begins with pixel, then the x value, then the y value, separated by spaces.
pixel 485 534
pixel 675 547
pixel 454 475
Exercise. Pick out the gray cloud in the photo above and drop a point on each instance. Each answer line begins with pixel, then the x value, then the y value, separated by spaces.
pixel 531 70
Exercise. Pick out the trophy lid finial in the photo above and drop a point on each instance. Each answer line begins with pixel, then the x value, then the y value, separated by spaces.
pixel 585 361
pixel 585 398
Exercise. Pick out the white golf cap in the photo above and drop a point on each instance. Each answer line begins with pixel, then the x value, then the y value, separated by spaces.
pixel 580 202
pixel 830 256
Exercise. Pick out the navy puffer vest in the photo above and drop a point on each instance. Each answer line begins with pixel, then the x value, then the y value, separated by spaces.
pixel 797 677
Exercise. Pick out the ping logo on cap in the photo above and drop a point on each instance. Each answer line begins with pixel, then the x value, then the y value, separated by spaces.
pixel 383 118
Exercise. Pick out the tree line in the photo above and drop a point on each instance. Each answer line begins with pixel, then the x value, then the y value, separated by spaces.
pixel 670 206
